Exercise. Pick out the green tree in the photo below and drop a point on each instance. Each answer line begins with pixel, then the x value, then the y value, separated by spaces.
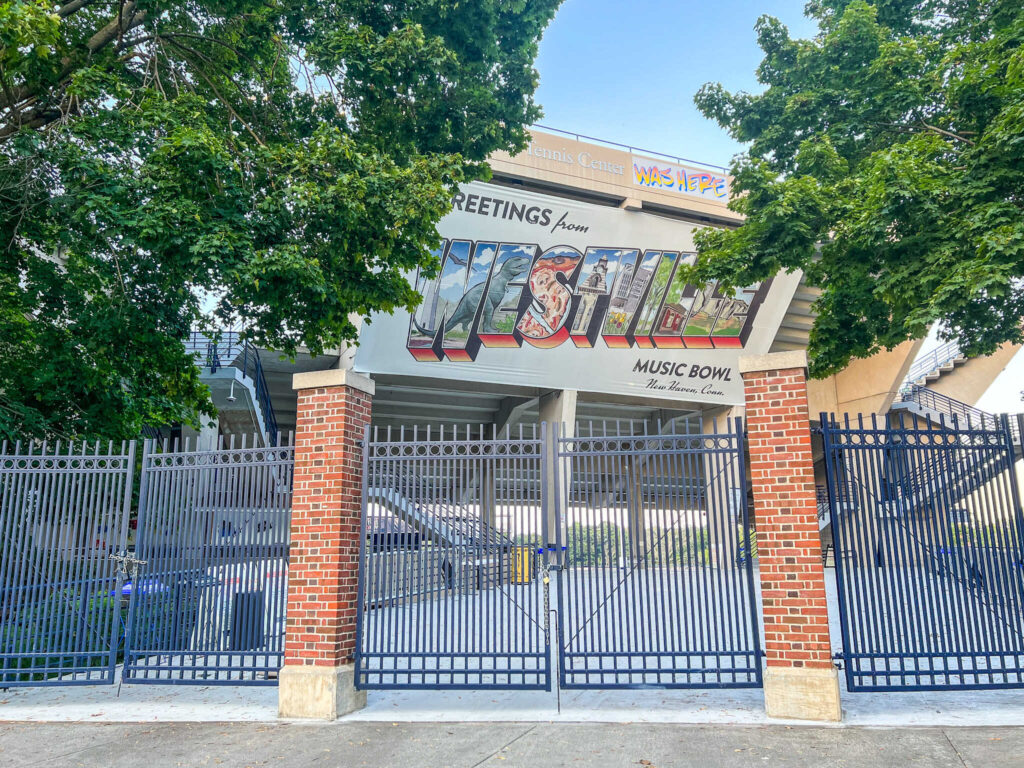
pixel 593 545
pixel 885 160
pixel 271 163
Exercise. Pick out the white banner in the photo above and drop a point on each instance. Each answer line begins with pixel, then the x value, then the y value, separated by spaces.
pixel 545 292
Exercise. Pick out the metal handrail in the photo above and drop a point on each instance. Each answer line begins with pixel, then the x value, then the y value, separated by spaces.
pixel 251 355
pixel 605 142
pixel 966 414
pixel 434 502
pixel 222 351
pixel 845 492
pixel 931 477
pixel 933 360
pixel 821 499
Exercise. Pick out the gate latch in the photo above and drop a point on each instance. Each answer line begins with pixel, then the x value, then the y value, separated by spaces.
pixel 127 564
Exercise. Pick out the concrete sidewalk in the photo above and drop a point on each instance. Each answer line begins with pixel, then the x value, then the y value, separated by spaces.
pixel 500 745
pixel 736 706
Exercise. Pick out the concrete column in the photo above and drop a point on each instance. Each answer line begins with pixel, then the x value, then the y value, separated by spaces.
pixel 800 679
pixel 488 496
pixel 317 680
pixel 636 517
pixel 347 350
pixel 558 411
pixel 205 438
pixel 722 501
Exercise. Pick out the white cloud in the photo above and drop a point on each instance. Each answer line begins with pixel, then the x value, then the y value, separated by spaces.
pixel 483 258
pixel 453 280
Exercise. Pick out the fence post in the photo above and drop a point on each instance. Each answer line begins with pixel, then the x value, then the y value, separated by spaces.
pixel 318 680
pixel 800 679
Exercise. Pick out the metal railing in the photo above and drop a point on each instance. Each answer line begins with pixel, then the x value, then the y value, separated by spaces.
pixel 465 610
pixel 966 414
pixel 208 603
pixel 933 360
pixel 628 148
pixel 821 500
pixel 480 613
pixel 958 413
pixel 196 595
pixel 657 589
pixel 228 349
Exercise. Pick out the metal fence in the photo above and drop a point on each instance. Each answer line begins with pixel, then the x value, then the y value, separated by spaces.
pixel 63 527
pixel 929 540
pixel 196 594
pixel 626 560
pixel 451 593
pixel 209 592
pixel 657 588
pixel 645 540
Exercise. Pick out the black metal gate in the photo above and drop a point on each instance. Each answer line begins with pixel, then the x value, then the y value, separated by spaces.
pixel 210 572
pixel 657 588
pixel 929 543
pixel 452 591
pixel 63 532
pixel 647 539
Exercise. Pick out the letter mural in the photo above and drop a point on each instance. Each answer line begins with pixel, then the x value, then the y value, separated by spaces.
pixel 535 291
pixel 543 323
pixel 500 295
pixel 653 174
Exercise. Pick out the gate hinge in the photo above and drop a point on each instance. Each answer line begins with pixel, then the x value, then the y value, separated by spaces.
pixel 127 564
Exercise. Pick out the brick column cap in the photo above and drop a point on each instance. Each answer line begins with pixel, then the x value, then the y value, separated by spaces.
pixel 773 361
pixel 333 377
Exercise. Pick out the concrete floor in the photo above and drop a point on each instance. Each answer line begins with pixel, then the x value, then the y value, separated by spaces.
pixel 210 704
pixel 501 745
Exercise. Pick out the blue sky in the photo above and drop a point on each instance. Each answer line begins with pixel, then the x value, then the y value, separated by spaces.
pixel 627 71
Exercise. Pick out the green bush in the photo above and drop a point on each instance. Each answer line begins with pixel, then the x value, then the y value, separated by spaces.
pixel 61 630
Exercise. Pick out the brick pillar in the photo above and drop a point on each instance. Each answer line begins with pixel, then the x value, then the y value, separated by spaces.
pixel 317 680
pixel 800 678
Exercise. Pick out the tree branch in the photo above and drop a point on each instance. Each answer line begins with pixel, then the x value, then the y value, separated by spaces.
pixel 8 94
pixel 950 134
pixel 928 126
pixel 199 71
pixel 126 21
pixel 72 7
pixel 128 18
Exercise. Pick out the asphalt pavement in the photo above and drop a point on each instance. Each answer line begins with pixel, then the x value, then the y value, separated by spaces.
pixel 500 745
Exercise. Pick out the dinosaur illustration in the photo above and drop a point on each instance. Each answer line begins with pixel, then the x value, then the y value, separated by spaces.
pixel 466 309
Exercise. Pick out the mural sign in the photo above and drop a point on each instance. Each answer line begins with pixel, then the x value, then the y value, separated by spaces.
pixel 663 175
pixel 543 291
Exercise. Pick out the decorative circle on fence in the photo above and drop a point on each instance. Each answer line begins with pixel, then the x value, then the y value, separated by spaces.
pixel 451 449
